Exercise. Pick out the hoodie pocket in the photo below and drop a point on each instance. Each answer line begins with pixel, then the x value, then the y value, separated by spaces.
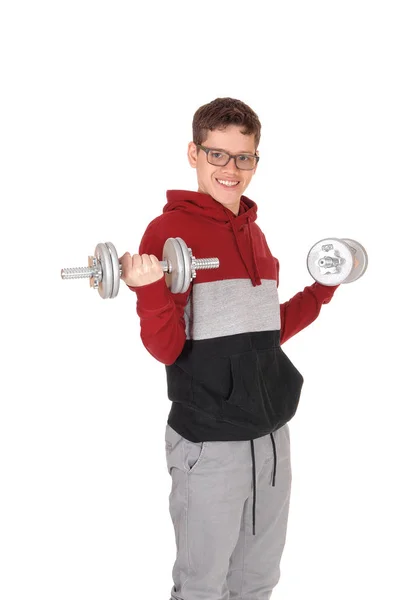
pixel 266 385
pixel 179 384
pixel 247 381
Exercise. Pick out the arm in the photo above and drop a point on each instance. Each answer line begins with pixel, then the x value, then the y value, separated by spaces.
pixel 303 309
pixel 161 313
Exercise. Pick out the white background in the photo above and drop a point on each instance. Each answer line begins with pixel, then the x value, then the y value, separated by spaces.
pixel 97 102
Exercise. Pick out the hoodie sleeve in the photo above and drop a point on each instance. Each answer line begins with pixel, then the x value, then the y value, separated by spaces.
pixel 160 311
pixel 303 308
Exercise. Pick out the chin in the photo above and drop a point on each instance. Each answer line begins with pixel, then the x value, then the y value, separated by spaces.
pixel 229 196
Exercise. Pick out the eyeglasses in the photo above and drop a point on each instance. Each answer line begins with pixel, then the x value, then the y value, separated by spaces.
pixel 245 162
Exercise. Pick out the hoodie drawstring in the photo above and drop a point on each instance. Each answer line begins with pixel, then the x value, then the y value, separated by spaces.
pixel 254 477
pixel 254 275
pixel 254 258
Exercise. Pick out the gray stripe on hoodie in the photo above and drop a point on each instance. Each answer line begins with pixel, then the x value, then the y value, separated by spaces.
pixel 231 307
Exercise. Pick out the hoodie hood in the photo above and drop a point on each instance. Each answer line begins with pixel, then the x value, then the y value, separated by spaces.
pixel 204 205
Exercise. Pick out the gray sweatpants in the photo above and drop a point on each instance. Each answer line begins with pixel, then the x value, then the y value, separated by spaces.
pixel 212 507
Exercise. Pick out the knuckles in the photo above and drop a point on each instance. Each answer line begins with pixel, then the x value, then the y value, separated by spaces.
pixel 140 269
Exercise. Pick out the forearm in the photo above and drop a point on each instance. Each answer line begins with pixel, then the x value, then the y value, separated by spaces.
pixel 161 320
pixel 303 309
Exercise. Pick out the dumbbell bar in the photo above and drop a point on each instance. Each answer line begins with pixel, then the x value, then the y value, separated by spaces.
pixel 104 270
pixel 333 261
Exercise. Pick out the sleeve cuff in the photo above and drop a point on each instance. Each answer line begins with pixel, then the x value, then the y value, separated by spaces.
pixel 324 293
pixel 153 296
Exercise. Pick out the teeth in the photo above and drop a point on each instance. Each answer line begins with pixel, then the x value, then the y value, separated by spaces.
pixel 228 183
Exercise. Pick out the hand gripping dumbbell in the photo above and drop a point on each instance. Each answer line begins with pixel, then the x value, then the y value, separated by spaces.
pixel 104 270
pixel 333 261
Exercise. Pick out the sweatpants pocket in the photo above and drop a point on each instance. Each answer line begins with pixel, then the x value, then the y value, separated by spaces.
pixel 193 453
pixel 182 453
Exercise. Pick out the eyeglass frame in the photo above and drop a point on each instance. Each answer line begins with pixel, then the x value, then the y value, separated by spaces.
pixel 234 156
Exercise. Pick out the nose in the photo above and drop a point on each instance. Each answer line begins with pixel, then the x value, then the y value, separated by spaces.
pixel 231 165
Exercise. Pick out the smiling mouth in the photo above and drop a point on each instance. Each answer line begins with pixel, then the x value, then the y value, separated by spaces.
pixel 227 183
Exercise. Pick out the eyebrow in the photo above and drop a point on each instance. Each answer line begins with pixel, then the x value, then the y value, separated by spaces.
pixel 228 152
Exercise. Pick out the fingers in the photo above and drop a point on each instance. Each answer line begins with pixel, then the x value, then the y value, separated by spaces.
pixel 140 269
pixel 143 260
pixel 138 259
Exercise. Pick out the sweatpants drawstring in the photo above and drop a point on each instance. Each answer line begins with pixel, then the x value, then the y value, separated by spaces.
pixel 254 477
pixel 274 451
pixel 254 486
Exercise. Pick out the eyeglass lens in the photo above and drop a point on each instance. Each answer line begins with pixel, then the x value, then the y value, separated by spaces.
pixel 242 161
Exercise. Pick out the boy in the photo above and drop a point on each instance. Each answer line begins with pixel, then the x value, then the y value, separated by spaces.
pixel 232 388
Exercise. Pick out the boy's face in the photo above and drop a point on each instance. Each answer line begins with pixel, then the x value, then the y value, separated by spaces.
pixel 225 184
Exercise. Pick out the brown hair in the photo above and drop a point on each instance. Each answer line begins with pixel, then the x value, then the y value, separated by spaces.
pixel 222 112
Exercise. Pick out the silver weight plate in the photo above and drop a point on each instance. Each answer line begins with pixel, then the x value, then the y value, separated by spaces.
pixel 330 261
pixel 172 254
pixel 187 265
pixel 115 269
pixel 360 260
pixel 105 286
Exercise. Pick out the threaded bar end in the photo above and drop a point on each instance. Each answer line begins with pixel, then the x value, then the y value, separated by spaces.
pixel 78 273
pixel 206 263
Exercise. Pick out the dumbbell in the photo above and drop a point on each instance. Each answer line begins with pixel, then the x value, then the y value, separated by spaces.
pixel 104 270
pixel 333 261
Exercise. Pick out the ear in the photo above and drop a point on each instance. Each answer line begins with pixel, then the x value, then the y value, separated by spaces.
pixel 192 154
pixel 256 167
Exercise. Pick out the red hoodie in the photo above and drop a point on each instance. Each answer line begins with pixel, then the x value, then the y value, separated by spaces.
pixel 212 230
